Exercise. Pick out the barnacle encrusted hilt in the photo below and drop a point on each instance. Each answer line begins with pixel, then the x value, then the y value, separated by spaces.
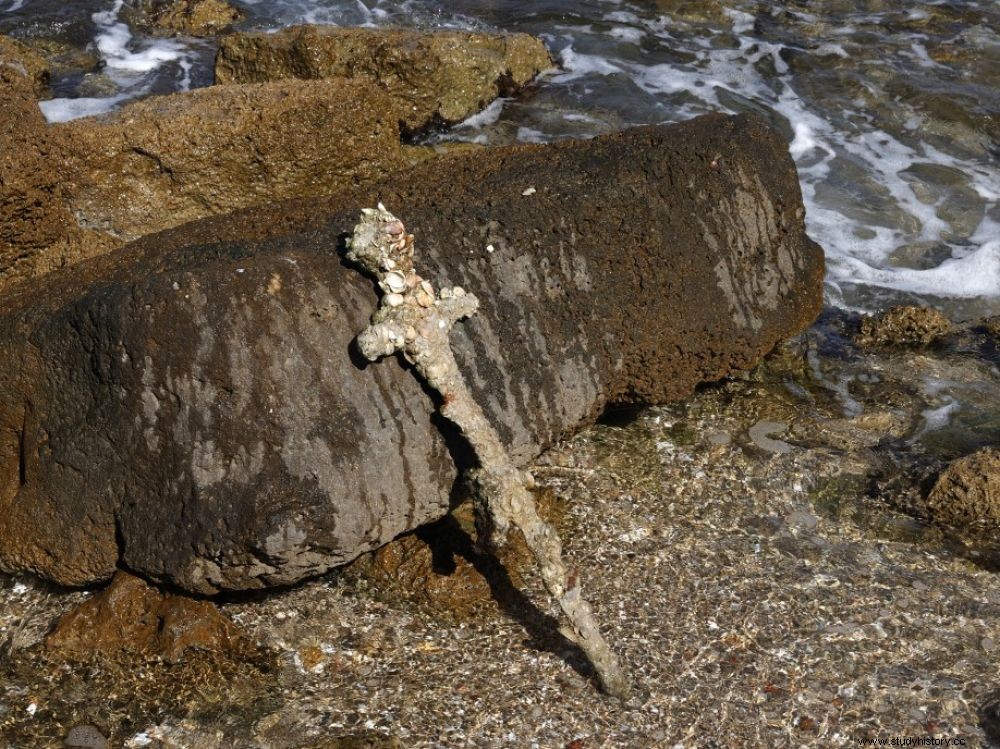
pixel 410 309
pixel 416 321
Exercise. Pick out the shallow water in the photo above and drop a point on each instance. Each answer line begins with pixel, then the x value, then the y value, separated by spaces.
pixel 891 108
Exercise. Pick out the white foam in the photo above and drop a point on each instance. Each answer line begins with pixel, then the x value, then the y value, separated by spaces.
pixel 64 109
pixel 939 417
pixel 114 39
pixel 530 135
pixel 975 275
pixel 130 64
pixel 862 249
pixel 15 5
pixel 622 16
pixel 577 65
pixel 829 48
pixel 803 142
pixel 488 116
pixel 742 22
pixel 627 34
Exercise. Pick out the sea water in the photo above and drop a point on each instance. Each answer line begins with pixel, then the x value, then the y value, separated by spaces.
pixel 891 108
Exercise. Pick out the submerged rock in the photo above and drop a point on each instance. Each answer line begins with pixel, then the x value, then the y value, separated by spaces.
pixel 968 492
pixel 191 17
pixel 194 404
pixel 695 11
pixel 442 568
pixel 905 325
pixel 434 77
pixel 131 616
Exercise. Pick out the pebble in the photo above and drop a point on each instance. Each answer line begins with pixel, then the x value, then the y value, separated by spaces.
pixel 759 435
pixel 85 737
pixel 802 519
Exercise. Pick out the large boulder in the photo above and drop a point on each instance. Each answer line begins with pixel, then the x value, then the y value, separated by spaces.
pixel 193 406
pixel 167 160
pixel 436 77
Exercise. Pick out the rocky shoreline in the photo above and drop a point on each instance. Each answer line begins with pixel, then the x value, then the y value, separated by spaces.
pixel 80 189
pixel 801 554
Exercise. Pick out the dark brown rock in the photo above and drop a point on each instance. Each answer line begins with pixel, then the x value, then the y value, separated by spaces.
pixel 901 326
pixel 193 402
pixel 133 617
pixel 968 492
pixel 434 77
pixel 440 566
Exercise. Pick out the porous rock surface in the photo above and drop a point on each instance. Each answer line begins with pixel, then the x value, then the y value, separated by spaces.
pixel 193 405
pixel 78 189
pixel 191 17
pixel 26 61
pixel 968 492
pixel 903 325
pixel 130 615
pixel 435 77
pixel 167 160
pixel 34 216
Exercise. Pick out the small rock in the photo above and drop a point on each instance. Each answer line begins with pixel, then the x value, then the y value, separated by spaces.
pixel 968 492
pixel 901 326
pixel 802 519
pixel 132 616
pixel 86 737
pixel 440 566
pixel 695 11
pixel 195 17
pixel 759 435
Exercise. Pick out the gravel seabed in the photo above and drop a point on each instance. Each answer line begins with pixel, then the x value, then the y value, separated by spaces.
pixel 758 595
